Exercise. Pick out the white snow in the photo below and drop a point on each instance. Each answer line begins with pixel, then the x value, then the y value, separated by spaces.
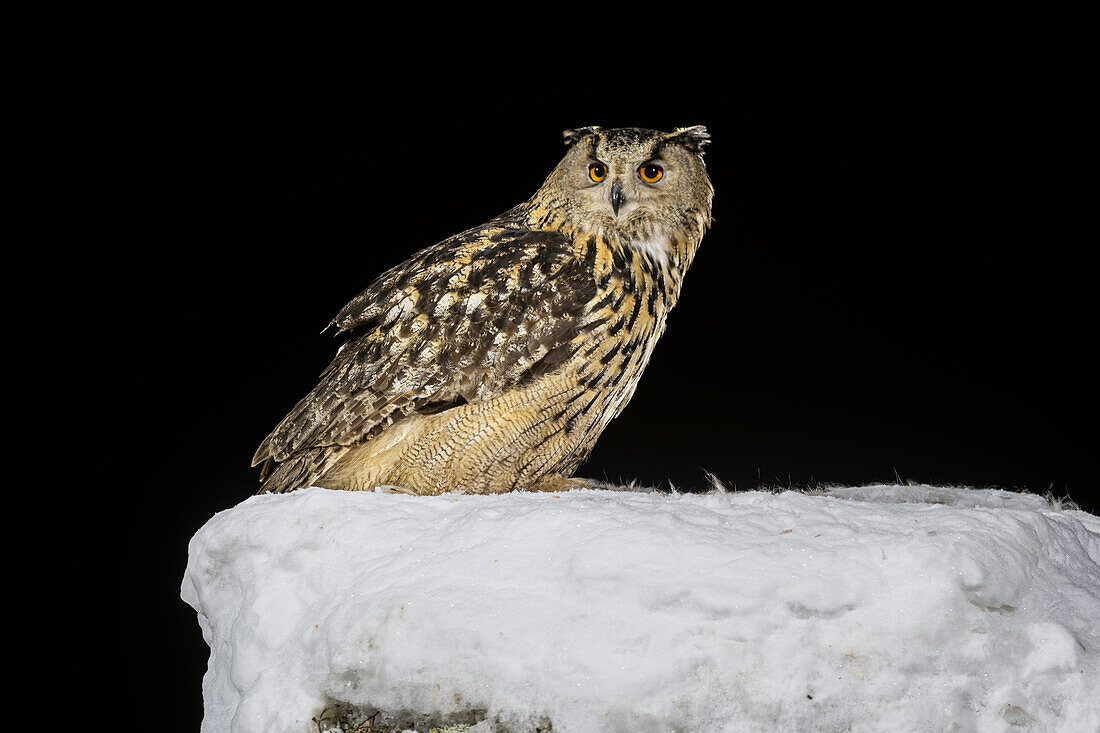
pixel 881 608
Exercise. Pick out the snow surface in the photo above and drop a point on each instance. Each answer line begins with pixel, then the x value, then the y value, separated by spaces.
pixel 879 608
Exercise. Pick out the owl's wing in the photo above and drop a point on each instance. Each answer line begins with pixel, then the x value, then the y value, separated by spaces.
pixel 461 321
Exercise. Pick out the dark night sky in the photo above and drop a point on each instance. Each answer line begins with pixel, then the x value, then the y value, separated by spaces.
pixel 894 285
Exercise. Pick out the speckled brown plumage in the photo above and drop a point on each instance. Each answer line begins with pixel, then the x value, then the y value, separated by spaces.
pixel 493 360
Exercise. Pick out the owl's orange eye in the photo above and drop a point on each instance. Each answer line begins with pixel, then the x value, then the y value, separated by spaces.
pixel 651 172
pixel 597 172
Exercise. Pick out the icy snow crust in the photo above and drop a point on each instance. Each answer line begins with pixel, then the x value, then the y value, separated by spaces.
pixel 883 608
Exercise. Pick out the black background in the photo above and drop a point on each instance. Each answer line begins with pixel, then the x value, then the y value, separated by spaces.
pixel 895 287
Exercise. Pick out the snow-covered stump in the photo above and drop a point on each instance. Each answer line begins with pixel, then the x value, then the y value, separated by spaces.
pixel 889 608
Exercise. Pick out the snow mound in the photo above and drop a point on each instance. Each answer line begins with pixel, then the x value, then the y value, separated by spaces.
pixel 900 608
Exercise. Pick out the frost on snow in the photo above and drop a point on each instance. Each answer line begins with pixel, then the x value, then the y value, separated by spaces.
pixel 880 608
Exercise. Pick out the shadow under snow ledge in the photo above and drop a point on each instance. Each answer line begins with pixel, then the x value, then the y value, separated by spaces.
pixel 901 608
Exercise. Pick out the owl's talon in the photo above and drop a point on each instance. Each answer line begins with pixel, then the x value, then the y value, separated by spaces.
pixel 395 490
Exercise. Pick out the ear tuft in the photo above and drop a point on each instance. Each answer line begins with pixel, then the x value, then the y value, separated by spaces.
pixel 570 137
pixel 694 138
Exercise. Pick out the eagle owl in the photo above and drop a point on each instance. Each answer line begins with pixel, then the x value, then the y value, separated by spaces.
pixel 493 360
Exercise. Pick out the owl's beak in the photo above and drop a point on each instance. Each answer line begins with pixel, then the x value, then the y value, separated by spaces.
pixel 616 197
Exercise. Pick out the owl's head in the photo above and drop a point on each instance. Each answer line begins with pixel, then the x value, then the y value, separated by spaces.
pixel 632 181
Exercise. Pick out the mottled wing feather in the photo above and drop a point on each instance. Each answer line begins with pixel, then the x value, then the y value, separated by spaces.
pixel 461 321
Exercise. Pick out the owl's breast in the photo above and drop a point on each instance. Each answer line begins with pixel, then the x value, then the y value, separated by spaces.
pixel 615 338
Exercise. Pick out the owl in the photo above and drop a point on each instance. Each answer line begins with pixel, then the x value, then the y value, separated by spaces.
pixel 492 361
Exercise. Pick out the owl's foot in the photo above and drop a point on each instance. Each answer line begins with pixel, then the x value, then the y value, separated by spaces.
pixel 395 490
pixel 563 483
pixel 566 483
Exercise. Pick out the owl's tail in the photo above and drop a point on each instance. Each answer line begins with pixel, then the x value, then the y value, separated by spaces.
pixel 299 470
